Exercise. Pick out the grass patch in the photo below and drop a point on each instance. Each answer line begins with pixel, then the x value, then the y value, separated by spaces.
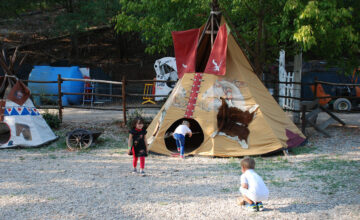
pixel 52 156
pixel 263 165
pixel 234 163
pixel 109 143
pixel 231 189
pixel 333 174
pixel 59 144
pixel 225 190
pixel 267 165
pixel 302 150
pixel 277 182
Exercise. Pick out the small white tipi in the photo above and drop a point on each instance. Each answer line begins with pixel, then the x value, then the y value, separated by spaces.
pixel 20 122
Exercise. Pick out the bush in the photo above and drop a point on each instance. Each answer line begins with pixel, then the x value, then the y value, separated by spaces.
pixel 137 114
pixel 52 120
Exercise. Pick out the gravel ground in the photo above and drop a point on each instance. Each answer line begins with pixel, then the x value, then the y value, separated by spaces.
pixel 318 181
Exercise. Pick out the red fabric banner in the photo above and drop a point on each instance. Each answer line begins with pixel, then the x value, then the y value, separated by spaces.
pixel 217 60
pixel 19 93
pixel 185 44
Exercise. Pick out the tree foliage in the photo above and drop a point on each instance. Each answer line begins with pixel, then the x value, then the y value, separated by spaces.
pixel 82 14
pixel 155 19
pixel 326 29
pixel 13 8
pixel 322 29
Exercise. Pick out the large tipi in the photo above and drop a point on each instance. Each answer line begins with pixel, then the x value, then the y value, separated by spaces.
pixel 230 111
pixel 20 122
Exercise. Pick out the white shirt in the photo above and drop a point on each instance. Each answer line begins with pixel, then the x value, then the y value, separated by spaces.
pixel 256 185
pixel 182 129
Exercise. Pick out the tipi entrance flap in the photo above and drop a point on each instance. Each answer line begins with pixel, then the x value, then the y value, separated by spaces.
pixel 185 44
pixel 216 63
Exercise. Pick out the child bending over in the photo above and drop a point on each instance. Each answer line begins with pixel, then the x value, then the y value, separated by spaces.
pixel 179 135
pixel 253 188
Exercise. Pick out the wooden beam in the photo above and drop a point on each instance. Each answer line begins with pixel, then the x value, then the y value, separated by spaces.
pixel 332 115
pixel 92 80
pixel 203 32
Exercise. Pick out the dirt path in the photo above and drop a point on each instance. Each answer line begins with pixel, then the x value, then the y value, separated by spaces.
pixel 319 181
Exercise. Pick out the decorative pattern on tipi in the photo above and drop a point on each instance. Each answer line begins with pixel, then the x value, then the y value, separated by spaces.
pixel 193 95
pixel 10 111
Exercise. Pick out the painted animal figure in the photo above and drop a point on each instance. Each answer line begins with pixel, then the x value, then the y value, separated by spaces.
pixel 233 122
pixel 222 88
pixel 216 66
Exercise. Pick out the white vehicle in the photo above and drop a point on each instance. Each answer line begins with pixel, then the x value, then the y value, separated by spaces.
pixel 165 69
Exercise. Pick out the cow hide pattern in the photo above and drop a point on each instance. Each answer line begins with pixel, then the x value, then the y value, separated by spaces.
pixel 233 122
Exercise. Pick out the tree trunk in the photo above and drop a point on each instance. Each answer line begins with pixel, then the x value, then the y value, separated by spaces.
pixel 74 46
pixel 258 59
pixel 121 44
pixel 297 87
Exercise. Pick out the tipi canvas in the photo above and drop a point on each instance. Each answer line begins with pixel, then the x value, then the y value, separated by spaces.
pixel 20 122
pixel 24 126
pixel 230 111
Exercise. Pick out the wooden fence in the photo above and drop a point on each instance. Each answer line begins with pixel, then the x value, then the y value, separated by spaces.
pixel 123 95
pixel 124 83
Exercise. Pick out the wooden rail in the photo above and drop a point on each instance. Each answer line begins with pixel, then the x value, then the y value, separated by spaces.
pixel 94 94
pixel 336 84
pixel 92 80
pixel 124 82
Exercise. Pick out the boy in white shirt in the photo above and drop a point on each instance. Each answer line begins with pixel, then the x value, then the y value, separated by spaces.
pixel 253 188
pixel 179 135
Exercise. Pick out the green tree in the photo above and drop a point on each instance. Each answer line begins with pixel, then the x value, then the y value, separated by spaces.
pixel 14 8
pixel 259 23
pixel 315 27
pixel 81 15
pixel 326 29
pixel 155 19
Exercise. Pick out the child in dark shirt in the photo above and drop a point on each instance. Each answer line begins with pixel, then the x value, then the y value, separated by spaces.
pixel 137 144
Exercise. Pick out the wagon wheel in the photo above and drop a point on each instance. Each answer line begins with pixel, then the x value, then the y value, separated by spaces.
pixel 79 139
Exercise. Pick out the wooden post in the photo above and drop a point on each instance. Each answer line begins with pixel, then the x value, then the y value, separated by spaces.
pixel 286 152
pixel 303 118
pixel 124 97
pixel 60 97
pixel 212 30
pixel 315 89
pixel 297 86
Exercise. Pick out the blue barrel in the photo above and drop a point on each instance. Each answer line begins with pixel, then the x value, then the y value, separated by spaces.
pixel 48 73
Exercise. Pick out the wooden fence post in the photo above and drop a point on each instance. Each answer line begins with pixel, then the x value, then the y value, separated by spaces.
pixel 60 97
pixel 124 98
pixel 315 89
pixel 303 119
